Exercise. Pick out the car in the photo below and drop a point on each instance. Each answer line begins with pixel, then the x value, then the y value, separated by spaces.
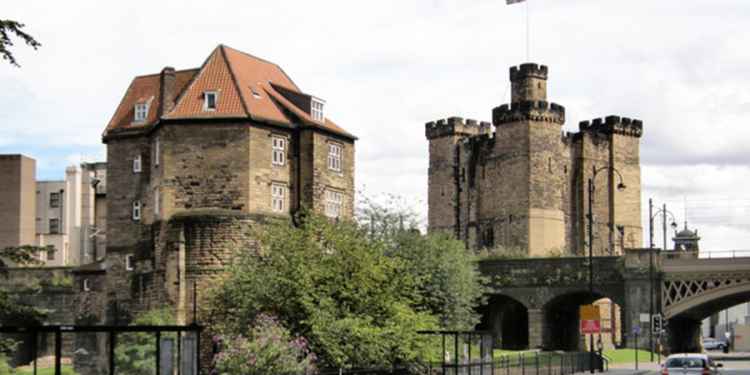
pixel 710 343
pixel 690 364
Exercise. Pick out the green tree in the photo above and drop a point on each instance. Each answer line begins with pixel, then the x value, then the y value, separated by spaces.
pixel 330 283
pixel 8 27
pixel 450 285
pixel 135 352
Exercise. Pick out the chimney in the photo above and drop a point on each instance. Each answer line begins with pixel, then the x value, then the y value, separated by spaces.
pixel 167 81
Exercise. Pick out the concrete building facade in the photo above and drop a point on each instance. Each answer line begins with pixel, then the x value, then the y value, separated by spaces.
pixel 17 201
pixel 68 215
pixel 519 184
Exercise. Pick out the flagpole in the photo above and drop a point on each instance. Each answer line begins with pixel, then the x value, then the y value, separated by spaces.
pixel 528 37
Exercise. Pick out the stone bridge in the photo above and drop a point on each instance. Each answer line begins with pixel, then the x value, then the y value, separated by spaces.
pixel 535 301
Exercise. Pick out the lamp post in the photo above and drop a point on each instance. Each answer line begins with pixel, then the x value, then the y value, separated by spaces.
pixel 663 211
pixel 590 217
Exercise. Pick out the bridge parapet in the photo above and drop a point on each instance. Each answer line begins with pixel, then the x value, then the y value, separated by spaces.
pixel 550 272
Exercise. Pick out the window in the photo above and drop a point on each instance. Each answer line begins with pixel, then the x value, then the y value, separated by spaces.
pixel 316 109
pixel 279 150
pixel 129 262
pixel 137 210
pixel 157 151
pixel 157 206
pixel 141 111
pixel 137 164
pixel 334 157
pixel 86 285
pixel 50 253
pixel 209 100
pixel 54 199
pixel 54 226
pixel 278 194
pixel 333 203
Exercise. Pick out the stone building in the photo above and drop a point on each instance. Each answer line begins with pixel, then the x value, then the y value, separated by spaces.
pixel 196 158
pixel 519 184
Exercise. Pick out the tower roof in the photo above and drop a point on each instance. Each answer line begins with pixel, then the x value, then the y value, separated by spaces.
pixel 247 87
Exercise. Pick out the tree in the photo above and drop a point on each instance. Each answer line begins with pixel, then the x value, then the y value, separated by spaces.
pixel 327 282
pixel 8 27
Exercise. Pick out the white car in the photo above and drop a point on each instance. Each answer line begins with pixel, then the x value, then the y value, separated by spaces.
pixel 690 364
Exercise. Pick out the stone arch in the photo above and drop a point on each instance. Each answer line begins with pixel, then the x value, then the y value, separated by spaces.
pixel 508 319
pixel 561 320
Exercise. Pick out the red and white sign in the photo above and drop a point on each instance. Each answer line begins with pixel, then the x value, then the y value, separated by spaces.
pixel 590 326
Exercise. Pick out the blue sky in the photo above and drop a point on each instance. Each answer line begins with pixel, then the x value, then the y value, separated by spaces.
pixel 387 67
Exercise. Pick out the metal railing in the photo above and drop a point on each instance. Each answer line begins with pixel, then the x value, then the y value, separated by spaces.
pixel 539 363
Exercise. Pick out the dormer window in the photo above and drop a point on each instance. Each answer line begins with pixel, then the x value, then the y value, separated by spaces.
pixel 141 111
pixel 209 100
pixel 316 109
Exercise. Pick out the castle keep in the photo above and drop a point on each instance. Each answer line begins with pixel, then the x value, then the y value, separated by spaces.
pixel 520 182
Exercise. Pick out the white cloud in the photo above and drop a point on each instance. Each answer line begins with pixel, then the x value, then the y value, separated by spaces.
pixel 388 67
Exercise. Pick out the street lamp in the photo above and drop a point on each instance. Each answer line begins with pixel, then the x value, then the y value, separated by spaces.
pixel 663 211
pixel 590 216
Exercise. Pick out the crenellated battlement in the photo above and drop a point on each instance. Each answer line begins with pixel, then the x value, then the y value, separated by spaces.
pixel 456 126
pixel 530 110
pixel 528 70
pixel 613 125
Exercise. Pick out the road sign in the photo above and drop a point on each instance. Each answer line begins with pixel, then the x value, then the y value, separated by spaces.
pixel 589 326
pixel 644 318
pixel 590 312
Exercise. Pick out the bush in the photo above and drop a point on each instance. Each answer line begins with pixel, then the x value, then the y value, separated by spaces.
pixel 268 349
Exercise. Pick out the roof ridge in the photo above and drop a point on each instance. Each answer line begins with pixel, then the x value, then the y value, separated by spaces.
pixel 265 61
pixel 156 74
pixel 234 80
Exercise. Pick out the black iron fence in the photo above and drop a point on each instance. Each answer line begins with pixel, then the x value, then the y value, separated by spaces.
pixel 537 363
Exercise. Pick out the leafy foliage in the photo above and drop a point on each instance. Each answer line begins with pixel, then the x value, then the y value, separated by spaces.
pixel 449 283
pixel 8 27
pixel 330 283
pixel 269 349
pixel 135 352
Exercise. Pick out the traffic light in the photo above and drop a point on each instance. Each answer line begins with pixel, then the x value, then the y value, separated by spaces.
pixel 658 324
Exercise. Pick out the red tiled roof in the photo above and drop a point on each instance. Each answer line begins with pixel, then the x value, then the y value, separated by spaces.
pixel 244 84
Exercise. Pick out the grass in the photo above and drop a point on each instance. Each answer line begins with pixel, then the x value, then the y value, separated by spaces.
pixel 66 370
pixel 627 355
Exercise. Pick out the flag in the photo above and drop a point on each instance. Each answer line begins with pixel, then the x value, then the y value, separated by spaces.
pixel 513 1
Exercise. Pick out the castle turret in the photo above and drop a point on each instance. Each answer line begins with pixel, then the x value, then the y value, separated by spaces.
pixel 528 83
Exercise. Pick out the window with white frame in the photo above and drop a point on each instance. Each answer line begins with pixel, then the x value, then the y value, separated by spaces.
pixel 157 151
pixel 129 262
pixel 86 285
pixel 137 164
pixel 316 109
pixel 210 98
pixel 334 156
pixel 137 210
pixel 141 111
pixel 157 205
pixel 334 200
pixel 279 150
pixel 278 197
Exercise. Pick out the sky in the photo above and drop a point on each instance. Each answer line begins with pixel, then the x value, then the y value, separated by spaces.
pixel 385 68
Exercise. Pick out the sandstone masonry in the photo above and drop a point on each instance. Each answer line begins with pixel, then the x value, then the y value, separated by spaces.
pixel 519 184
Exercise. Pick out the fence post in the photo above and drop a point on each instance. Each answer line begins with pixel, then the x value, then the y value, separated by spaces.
pixel 537 363
pixel 523 364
